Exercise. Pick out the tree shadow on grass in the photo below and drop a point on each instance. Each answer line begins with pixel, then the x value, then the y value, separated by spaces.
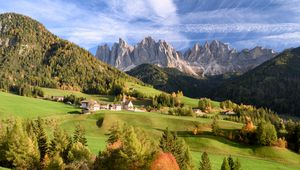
pixel 210 135
pixel 74 112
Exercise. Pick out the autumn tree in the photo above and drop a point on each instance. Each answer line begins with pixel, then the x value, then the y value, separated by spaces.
pixel 205 104
pixel 169 142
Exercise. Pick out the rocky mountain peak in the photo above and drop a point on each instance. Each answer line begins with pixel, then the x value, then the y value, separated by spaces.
pixel 210 59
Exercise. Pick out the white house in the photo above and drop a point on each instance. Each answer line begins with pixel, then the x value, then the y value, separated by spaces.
pixel 115 107
pixel 89 106
pixel 104 106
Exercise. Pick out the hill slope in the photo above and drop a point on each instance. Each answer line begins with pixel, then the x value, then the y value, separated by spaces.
pixel 30 54
pixel 274 84
pixel 172 80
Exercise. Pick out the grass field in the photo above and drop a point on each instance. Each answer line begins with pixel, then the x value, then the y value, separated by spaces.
pixel 251 157
pixel 107 98
pixel 26 107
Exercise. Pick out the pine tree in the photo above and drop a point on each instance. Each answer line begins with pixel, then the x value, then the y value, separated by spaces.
pixel 225 165
pixel 231 162
pixel 205 162
pixel 60 143
pixel 42 138
pixel 237 165
pixel 169 142
pixel 79 135
pixel 215 127
pixel 22 152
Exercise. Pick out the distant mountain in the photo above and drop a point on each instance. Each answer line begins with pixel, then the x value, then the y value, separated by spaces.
pixel 30 54
pixel 211 59
pixel 173 80
pixel 126 57
pixel 274 84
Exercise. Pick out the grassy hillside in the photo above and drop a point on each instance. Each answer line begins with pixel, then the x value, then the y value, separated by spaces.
pixel 172 80
pixel 153 123
pixel 30 54
pixel 25 107
pixel 274 84
pixel 149 91
pixel 217 147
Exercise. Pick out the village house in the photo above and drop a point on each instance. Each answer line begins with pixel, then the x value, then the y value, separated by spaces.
pixel 115 107
pixel 228 112
pixel 127 104
pixel 89 106
pixel 198 112
pixel 104 106
pixel 58 98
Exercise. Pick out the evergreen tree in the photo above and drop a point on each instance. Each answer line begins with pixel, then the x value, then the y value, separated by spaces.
pixel 60 143
pixel 22 152
pixel 231 162
pixel 225 164
pixel 132 150
pixel 42 138
pixel 79 135
pixel 237 165
pixel 56 163
pixel 169 142
pixel 205 162
pixel 215 127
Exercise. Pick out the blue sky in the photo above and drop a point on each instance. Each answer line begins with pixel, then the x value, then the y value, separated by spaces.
pixel 241 23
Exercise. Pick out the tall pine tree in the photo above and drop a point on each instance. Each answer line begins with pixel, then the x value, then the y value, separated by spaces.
pixel 42 138
pixel 205 162
pixel 79 135
pixel 225 164
pixel 230 162
pixel 169 142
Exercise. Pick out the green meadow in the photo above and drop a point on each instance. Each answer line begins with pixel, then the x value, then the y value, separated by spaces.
pixel 251 157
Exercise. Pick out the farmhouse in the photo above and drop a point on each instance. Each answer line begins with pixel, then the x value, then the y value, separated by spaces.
pixel 198 112
pixel 115 107
pixel 229 112
pixel 104 106
pixel 58 98
pixel 89 106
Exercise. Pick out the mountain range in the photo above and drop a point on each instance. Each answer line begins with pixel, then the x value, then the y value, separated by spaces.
pixel 215 58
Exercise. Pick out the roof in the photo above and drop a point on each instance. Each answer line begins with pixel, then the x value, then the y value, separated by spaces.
pixel 89 101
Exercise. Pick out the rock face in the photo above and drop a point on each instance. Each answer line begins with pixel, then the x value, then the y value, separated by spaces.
pixel 211 59
pixel 126 57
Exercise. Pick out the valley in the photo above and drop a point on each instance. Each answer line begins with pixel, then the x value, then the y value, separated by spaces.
pixel 211 104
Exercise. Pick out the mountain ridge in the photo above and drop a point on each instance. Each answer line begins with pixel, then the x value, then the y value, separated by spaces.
pixel 274 84
pixel 211 59
pixel 30 54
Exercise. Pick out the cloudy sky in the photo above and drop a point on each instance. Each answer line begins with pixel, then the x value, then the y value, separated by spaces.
pixel 241 23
